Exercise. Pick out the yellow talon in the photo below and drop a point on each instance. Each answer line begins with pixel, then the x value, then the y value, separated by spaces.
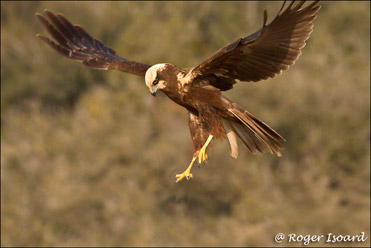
pixel 202 156
pixel 186 174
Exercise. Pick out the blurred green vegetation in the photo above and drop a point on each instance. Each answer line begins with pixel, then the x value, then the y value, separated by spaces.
pixel 89 157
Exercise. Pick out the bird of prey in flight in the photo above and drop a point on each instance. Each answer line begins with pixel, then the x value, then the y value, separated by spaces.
pixel 261 55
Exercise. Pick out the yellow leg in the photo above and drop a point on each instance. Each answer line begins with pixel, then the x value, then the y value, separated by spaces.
pixel 202 156
pixel 187 172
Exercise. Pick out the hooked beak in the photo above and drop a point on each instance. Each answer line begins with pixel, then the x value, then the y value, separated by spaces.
pixel 153 91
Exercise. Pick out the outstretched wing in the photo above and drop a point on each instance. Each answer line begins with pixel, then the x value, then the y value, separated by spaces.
pixel 75 43
pixel 263 54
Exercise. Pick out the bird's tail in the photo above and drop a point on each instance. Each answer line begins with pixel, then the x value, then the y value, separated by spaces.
pixel 255 134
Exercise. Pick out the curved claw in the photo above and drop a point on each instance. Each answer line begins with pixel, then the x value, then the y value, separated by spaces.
pixel 202 156
pixel 185 174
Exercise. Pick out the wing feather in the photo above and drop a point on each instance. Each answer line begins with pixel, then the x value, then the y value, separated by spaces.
pixel 265 53
pixel 75 43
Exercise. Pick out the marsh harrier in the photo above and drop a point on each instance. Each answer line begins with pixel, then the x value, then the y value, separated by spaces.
pixel 261 55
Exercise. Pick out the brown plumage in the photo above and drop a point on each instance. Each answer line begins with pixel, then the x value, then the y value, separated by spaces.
pixel 261 55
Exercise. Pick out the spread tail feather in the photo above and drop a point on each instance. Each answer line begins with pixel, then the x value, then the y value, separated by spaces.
pixel 232 138
pixel 255 134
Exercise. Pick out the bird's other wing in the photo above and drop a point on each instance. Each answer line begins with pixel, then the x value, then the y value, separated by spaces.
pixel 263 54
pixel 75 43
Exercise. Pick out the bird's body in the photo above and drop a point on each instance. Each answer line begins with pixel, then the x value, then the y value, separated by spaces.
pixel 259 56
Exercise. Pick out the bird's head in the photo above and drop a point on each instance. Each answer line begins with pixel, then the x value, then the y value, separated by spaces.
pixel 154 78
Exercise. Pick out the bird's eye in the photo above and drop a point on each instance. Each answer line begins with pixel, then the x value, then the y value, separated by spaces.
pixel 155 82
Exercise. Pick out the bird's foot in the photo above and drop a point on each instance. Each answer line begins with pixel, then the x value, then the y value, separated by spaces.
pixel 186 174
pixel 202 156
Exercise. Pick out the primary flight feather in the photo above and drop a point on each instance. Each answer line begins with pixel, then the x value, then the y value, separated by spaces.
pixel 261 55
